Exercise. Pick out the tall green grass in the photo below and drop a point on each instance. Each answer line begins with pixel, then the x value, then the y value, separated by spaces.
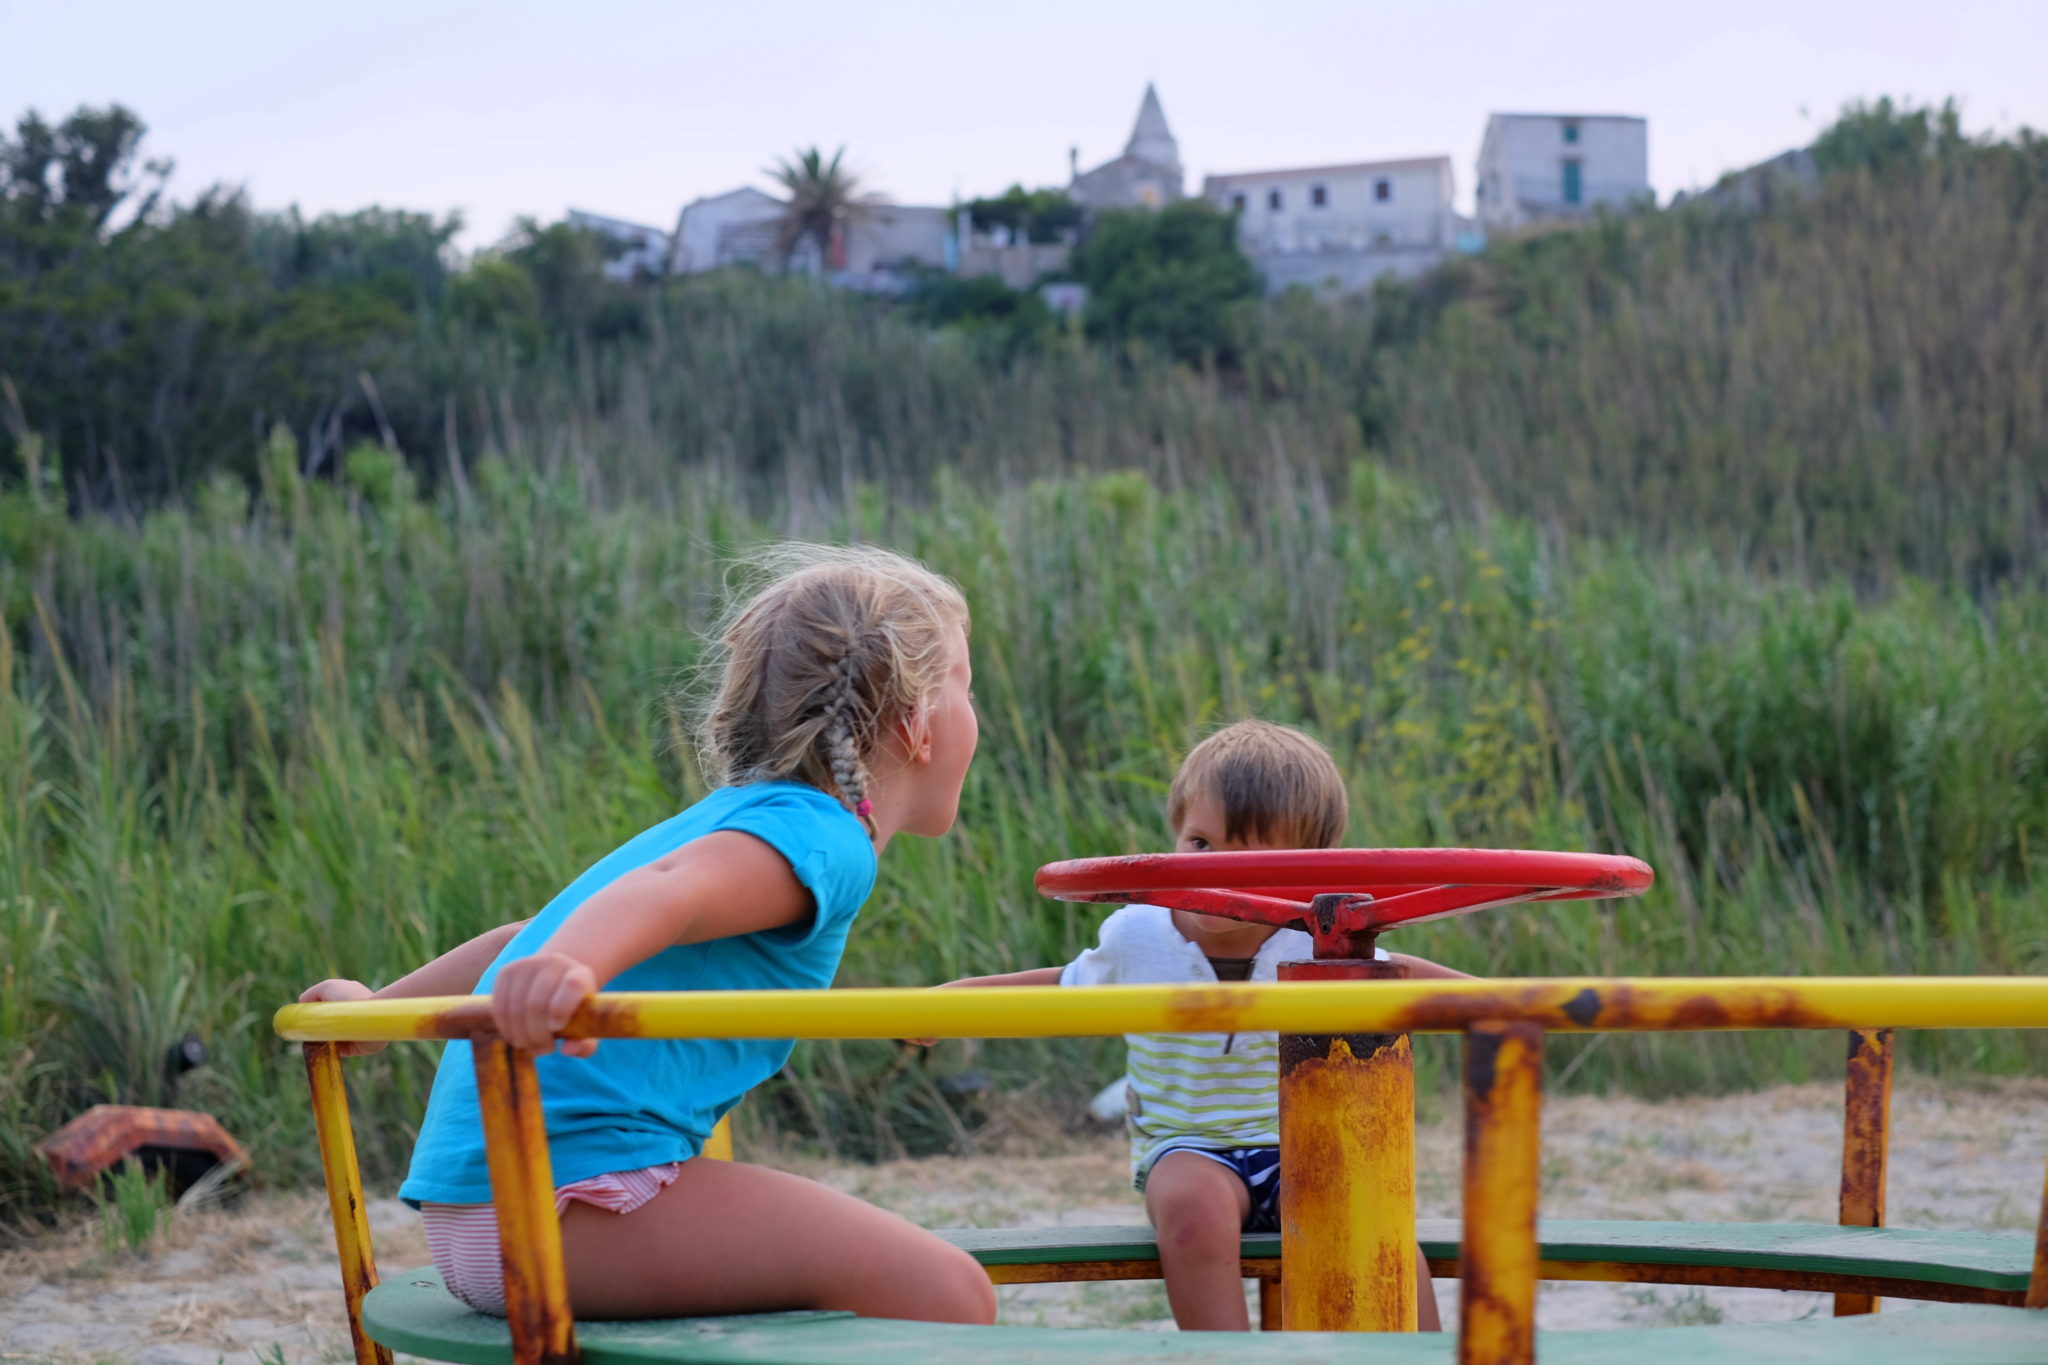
pixel 1854 383
pixel 338 727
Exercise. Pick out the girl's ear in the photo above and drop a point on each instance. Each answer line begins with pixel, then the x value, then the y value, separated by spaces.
pixel 915 727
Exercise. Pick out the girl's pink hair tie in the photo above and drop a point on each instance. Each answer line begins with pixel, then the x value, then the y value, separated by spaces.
pixel 864 809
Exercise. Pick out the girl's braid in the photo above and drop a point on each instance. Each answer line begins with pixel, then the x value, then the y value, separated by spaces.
pixel 840 737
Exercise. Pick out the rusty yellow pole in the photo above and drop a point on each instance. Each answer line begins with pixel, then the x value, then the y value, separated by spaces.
pixel 719 1145
pixel 1503 1168
pixel 523 1188
pixel 1866 1131
pixel 344 1193
pixel 1347 1161
pixel 1269 1305
pixel 2037 1286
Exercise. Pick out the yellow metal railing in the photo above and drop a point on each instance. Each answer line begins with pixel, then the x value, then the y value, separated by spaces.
pixel 1566 1005
pixel 1504 1023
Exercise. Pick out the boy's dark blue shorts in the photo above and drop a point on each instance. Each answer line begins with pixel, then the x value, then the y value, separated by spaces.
pixel 1259 1169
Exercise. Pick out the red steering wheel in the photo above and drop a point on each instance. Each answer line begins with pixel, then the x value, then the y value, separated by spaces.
pixel 1344 897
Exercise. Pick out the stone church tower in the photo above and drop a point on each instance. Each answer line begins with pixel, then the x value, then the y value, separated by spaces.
pixel 1147 175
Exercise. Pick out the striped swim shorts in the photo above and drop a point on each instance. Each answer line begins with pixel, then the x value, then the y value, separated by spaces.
pixel 464 1237
pixel 1258 1168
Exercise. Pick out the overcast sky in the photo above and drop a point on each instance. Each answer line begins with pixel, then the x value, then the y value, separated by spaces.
pixel 633 107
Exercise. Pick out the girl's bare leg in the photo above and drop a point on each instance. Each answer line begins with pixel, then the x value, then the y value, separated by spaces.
pixel 732 1238
pixel 1198 1207
pixel 1426 1314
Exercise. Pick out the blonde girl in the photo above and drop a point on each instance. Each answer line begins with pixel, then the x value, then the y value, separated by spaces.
pixel 841 718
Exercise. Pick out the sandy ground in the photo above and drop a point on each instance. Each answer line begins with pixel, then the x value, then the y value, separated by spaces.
pixel 256 1283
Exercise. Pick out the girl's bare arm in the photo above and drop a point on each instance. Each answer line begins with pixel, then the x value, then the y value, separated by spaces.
pixel 723 884
pixel 454 972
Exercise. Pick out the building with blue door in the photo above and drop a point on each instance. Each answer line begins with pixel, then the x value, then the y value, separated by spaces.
pixel 1536 168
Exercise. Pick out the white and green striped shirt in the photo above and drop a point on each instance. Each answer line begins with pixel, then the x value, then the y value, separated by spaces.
pixel 1210 1090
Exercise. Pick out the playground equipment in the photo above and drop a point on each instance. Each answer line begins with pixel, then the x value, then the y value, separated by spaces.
pixel 1343 1258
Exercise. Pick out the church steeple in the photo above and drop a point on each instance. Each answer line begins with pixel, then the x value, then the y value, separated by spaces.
pixel 1151 140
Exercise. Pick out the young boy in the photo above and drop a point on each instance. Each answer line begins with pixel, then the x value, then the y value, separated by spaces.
pixel 1205 1109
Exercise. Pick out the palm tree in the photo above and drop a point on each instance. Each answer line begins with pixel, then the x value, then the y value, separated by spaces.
pixel 825 199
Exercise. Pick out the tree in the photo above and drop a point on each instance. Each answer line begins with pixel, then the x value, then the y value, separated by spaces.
pixel 825 199
pixel 146 340
pixel 403 253
pixel 1879 137
pixel 1172 278
pixel 1042 216
pixel 82 170
pixel 997 318
pixel 567 264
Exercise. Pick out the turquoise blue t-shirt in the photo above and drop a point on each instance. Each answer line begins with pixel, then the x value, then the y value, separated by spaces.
pixel 644 1101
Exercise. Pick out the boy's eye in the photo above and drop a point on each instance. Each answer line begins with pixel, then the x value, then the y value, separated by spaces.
pixel 1199 844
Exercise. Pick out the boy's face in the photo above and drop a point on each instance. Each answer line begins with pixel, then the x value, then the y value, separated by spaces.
pixel 1201 830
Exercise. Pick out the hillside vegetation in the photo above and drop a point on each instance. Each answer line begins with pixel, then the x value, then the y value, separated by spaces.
pixel 1710 536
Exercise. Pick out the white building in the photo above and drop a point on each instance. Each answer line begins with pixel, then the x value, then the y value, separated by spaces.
pixel 734 228
pixel 1342 226
pixel 887 244
pixel 1538 167
pixel 644 250
pixel 882 244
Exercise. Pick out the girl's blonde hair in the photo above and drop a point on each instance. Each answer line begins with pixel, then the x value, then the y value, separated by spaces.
pixel 809 672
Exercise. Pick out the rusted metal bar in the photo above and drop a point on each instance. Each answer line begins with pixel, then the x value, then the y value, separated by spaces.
pixel 1498 1253
pixel 1347 1150
pixel 344 1194
pixel 1267 1269
pixel 2037 1287
pixel 1866 1140
pixel 1568 1005
pixel 523 1188
pixel 1748 1277
pixel 1269 1304
pixel 718 1146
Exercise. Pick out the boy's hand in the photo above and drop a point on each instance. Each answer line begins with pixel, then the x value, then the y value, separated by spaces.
pixel 932 1042
pixel 337 990
pixel 533 998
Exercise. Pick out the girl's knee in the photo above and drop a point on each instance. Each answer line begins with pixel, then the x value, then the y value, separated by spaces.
pixel 962 1292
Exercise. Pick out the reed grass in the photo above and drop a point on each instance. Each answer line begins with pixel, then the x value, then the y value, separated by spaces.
pixel 337 727
pixel 1851 384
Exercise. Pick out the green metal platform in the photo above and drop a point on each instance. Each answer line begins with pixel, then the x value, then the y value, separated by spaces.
pixel 1920 1264
pixel 413 1313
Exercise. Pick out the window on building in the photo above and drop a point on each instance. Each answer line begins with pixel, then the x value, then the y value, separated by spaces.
pixel 1319 196
pixel 1383 189
pixel 1237 203
pixel 1273 200
pixel 1574 187
pixel 1571 131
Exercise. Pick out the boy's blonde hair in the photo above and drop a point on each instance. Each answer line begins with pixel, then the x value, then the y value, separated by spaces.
pixel 1273 782
pixel 810 671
